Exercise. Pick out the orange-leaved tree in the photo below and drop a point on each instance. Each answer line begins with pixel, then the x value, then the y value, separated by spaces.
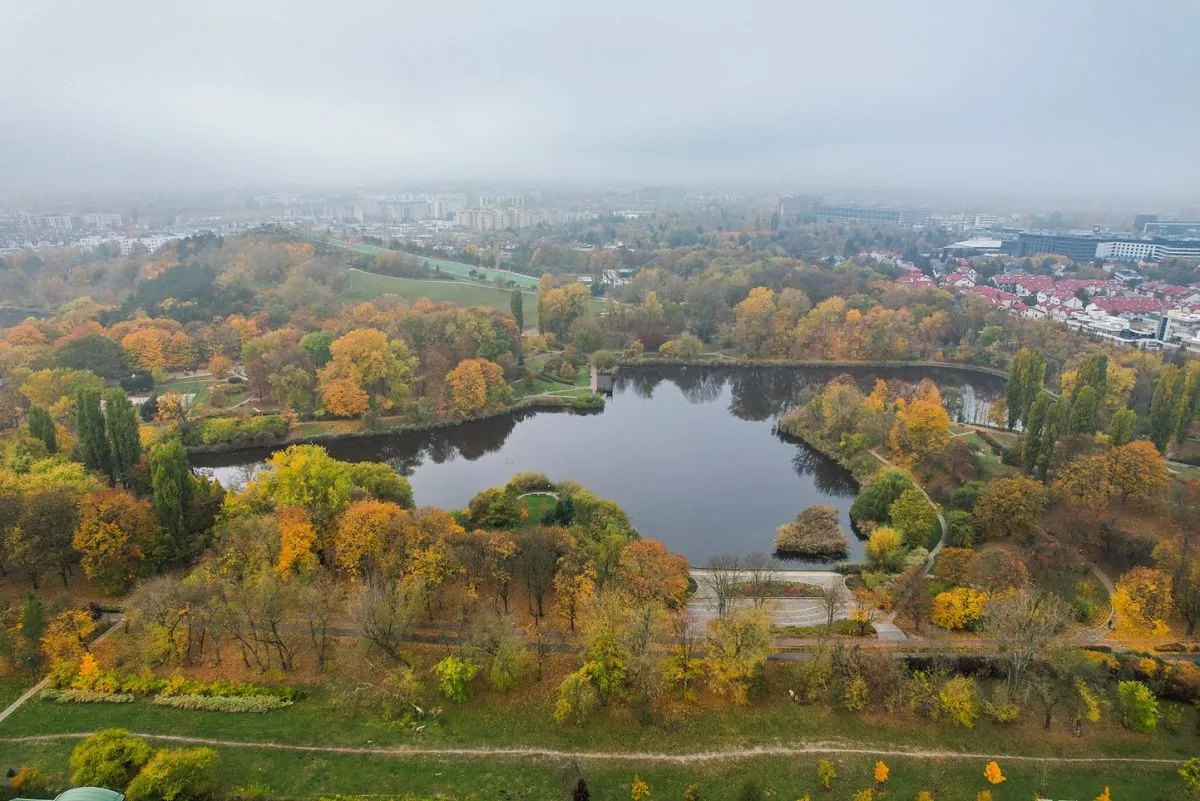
pixel 379 368
pixel 1143 602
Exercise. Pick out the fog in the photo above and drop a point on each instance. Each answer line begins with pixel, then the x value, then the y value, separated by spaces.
pixel 1073 96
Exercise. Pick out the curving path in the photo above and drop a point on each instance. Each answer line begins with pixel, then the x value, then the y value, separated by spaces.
pixel 688 758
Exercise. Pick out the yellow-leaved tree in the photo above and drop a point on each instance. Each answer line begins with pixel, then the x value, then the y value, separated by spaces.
pixel 1143 602
pixel 476 387
pixel 366 370
pixel 297 541
pixel 922 426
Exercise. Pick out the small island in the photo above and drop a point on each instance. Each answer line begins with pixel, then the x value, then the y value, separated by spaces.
pixel 814 533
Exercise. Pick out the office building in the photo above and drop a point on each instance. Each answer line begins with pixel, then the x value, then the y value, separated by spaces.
pixel 101 220
pixel 871 214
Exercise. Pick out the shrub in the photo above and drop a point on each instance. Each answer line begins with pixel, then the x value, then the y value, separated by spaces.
pixel 188 774
pixel 914 517
pixel 814 532
pixel 86 697
pixel 222 703
pixel 884 549
pixel 29 781
pixel 109 758
pixel 826 773
pixel 959 701
pixel 215 430
pixel 959 608
pixel 454 677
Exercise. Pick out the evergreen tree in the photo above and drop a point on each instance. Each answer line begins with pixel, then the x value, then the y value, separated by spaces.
pixel 121 427
pixel 41 427
pixel 33 625
pixel 1187 400
pixel 94 450
pixel 516 302
pixel 1026 375
pixel 1034 429
pixel 1056 420
pixel 170 479
pixel 1123 424
pixel 1164 406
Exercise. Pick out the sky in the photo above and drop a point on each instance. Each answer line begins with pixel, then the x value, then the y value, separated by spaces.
pixel 1067 97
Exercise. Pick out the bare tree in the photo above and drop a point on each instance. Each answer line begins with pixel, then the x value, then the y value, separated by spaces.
pixel 1024 624
pixel 833 601
pixel 723 574
pixel 384 614
pixel 761 570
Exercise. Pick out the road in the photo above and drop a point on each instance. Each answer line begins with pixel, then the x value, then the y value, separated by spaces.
pixel 702 606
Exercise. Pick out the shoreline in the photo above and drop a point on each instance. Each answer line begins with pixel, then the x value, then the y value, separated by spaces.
pixel 555 404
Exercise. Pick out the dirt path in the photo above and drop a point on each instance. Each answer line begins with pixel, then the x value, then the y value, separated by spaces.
pixel 723 755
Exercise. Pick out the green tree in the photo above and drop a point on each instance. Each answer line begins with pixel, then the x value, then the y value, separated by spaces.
pixel 875 500
pixel 1085 409
pixel 33 626
pixel 516 303
pixel 94 449
pixel 170 480
pixel 1035 425
pixel 380 481
pixel 92 352
pixel 41 427
pixel 1056 422
pixel 109 758
pixel 454 677
pixel 1120 431
pixel 316 345
pixel 187 774
pixel 1137 706
pixel 121 428
pixel 1190 773
pixel 1026 376
pixel 1164 406
pixel 1092 372
pixel 914 517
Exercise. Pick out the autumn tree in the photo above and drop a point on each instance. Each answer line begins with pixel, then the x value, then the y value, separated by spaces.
pixel 371 540
pixel 170 481
pixel 752 319
pixel 1026 376
pixel 921 428
pixel 650 572
pixel 120 539
pixel 476 387
pixel 1142 602
pixel 738 646
pixel 220 366
pixel 41 427
pixel 297 542
pixel 814 532
pixel 1134 473
pixel 366 370
pixel 560 307
pixel 885 549
pixel 959 608
pixel 40 539
pixel 875 500
pixel 1009 508
pixel 109 758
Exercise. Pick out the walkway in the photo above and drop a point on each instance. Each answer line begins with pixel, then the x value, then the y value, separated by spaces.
pixel 702 606
pixel 684 758
pixel 41 685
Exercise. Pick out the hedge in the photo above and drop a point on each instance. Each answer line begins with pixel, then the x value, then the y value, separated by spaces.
pixel 217 430
pixel 223 703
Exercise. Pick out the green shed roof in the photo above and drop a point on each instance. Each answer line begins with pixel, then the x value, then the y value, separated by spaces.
pixel 89 794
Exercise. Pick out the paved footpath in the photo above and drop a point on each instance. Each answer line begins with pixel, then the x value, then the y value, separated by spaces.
pixel 702 606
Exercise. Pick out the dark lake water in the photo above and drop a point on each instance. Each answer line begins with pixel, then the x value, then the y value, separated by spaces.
pixel 690 453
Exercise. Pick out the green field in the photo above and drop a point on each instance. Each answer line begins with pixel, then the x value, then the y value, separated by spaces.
pixel 368 286
pixel 446 266
pixel 307 775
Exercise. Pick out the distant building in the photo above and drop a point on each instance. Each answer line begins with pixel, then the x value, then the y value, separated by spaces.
pixel 498 219
pixel 1103 245
pixel 873 214
pixel 1185 228
pixel 1142 220
pixel 101 220
pixel 514 201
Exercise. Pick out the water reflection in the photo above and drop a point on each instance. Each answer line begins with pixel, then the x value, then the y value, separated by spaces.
pixel 689 452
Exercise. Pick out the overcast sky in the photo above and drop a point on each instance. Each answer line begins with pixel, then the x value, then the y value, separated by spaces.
pixel 1067 96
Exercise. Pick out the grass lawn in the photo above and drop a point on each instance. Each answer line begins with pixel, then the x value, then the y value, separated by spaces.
pixel 368 286
pixel 538 506
pixel 11 688
pixel 307 775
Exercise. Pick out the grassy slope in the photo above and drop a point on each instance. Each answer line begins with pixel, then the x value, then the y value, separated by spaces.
pixel 300 775
pixel 367 286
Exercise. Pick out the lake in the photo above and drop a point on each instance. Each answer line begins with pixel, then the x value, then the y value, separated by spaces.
pixel 690 453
